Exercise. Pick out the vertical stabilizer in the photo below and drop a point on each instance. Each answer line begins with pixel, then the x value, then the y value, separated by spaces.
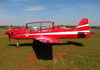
pixel 83 29
pixel 83 25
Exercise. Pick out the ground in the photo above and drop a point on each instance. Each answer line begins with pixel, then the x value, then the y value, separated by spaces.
pixel 73 54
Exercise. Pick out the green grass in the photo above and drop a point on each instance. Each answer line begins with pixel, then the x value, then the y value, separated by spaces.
pixel 86 57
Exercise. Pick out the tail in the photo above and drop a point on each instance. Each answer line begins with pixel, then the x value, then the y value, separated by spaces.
pixel 83 25
pixel 83 29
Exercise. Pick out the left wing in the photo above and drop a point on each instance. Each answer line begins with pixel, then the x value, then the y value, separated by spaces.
pixel 47 40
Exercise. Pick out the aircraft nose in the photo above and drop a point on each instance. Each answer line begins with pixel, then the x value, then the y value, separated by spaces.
pixel 9 32
pixel 6 32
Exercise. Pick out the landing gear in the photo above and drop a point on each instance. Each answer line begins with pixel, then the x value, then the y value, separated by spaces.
pixel 17 43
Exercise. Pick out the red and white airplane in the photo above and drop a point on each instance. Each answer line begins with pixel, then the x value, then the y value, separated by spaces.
pixel 48 35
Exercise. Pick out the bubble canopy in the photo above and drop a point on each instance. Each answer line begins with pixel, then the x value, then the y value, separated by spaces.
pixel 40 25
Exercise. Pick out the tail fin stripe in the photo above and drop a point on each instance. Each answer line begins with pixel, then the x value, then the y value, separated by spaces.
pixel 83 25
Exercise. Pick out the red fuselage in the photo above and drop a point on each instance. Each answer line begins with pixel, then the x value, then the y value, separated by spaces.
pixel 55 33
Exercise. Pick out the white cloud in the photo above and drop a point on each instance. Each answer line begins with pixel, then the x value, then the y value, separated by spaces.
pixel 37 8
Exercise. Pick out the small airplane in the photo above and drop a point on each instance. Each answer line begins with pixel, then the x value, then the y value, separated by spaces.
pixel 46 34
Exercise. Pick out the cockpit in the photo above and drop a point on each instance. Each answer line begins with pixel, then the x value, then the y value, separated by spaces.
pixel 33 29
pixel 36 26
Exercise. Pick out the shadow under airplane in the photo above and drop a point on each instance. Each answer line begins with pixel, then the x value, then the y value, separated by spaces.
pixel 44 51
pixel 70 43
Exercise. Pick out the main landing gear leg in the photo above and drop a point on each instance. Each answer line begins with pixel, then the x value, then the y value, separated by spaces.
pixel 17 44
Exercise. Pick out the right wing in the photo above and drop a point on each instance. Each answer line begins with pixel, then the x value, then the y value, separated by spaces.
pixel 47 40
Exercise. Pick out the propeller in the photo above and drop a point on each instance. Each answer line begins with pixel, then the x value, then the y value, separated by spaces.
pixel 8 33
pixel 9 38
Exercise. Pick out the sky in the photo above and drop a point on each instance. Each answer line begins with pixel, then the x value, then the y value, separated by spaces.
pixel 62 12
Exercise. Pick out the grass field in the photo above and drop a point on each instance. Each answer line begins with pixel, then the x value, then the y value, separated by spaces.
pixel 74 54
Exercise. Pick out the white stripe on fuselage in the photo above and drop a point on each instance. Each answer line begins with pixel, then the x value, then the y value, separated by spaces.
pixel 83 25
pixel 57 33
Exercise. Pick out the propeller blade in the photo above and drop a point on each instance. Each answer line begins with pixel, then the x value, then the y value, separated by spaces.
pixel 9 38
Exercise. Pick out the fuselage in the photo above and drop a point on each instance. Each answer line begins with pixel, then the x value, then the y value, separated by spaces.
pixel 55 33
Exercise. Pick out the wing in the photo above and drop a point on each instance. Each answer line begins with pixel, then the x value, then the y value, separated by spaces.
pixel 47 40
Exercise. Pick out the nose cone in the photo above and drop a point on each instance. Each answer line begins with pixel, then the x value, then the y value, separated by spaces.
pixel 7 32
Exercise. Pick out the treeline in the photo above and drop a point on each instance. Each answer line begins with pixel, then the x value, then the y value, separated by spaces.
pixel 68 26
pixel 1 26
pixel 73 26
pixel 12 27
